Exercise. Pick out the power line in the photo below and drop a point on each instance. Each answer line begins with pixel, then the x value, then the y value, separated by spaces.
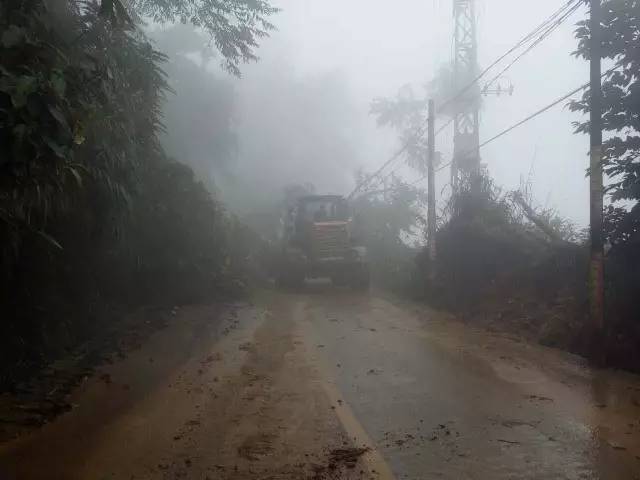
pixel 549 30
pixel 524 40
pixel 527 119
pixel 395 156
pixel 370 178
pixel 443 127
pixel 548 107
pixel 438 132
pixel 544 25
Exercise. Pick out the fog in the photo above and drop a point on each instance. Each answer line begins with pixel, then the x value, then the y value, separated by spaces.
pixel 301 114
pixel 222 254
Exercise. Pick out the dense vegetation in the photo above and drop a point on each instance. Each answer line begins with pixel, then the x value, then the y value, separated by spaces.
pixel 552 284
pixel 94 216
pixel 506 264
pixel 621 125
pixel 391 224
pixel 496 266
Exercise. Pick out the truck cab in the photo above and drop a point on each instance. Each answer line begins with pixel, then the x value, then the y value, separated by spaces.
pixel 320 239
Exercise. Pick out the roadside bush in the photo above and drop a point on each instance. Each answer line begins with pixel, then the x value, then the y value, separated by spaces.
pixel 482 241
pixel 95 219
pixel 390 224
pixel 497 268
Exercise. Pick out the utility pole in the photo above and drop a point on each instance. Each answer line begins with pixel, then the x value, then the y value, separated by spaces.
pixel 596 264
pixel 466 137
pixel 431 190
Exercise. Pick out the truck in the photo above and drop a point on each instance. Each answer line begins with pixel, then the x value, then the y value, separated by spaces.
pixel 320 239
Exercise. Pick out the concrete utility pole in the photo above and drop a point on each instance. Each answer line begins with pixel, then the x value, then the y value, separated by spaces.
pixel 431 189
pixel 466 137
pixel 596 266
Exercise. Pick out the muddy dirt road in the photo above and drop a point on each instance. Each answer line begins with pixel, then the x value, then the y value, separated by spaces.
pixel 327 384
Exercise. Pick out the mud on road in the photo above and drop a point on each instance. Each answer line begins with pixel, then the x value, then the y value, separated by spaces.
pixel 326 384
pixel 214 395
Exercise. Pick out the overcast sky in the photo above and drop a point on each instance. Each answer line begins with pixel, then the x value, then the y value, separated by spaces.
pixel 377 46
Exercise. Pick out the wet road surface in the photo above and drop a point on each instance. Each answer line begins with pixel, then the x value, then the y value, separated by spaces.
pixel 283 388
pixel 440 400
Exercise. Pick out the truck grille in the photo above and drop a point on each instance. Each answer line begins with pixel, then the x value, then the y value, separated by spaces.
pixel 330 240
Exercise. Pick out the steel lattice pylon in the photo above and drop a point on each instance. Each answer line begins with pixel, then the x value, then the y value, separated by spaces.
pixel 466 158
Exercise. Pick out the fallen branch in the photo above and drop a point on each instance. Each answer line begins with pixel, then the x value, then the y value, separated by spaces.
pixel 536 219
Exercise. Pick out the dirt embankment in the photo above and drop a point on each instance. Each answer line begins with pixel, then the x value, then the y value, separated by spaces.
pixel 44 394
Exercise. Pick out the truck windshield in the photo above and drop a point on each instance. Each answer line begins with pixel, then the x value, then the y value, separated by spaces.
pixel 324 210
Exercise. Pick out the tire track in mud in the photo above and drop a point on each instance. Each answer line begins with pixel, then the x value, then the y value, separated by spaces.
pixel 245 405
pixel 281 424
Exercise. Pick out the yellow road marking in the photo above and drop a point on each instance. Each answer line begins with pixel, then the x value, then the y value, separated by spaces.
pixel 373 459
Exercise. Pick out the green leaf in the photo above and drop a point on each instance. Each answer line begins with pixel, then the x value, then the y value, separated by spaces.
pixel 58 83
pixel 116 11
pixel 25 86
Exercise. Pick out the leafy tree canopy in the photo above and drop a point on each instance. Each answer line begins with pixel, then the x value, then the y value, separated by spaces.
pixel 621 110
pixel 408 115
pixel 234 26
